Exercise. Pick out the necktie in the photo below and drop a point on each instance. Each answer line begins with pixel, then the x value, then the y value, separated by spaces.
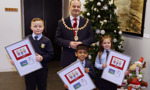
pixel 35 37
pixel 75 25
pixel 107 54
pixel 83 64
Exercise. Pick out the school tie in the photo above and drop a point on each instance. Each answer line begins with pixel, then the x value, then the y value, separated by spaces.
pixel 74 25
pixel 36 38
pixel 107 54
pixel 82 64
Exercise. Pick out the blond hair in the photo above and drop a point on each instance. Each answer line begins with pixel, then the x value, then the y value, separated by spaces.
pixel 37 19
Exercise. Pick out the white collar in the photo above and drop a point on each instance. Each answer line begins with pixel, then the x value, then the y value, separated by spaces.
pixel 71 17
pixel 39 36
pixel 107 50
pixel 81 61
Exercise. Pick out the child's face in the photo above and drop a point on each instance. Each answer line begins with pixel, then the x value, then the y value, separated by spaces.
pixel 81 54
pixel 106 44
pixel 37 27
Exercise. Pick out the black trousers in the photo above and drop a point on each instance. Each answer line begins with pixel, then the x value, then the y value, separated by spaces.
pixel 103 84
pixel 37 79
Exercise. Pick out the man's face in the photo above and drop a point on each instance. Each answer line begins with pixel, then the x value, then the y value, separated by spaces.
pixel 75 8
pixel 37 27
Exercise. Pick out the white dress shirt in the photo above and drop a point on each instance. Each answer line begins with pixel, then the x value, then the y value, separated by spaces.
pixel 99 63
pixel 82 62
pixel 72 21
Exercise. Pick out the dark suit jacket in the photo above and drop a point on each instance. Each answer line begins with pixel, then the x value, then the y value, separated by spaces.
pixel 64 36
pixel 89 65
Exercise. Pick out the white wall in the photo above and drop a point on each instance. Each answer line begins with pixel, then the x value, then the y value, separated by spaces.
pixel 10 30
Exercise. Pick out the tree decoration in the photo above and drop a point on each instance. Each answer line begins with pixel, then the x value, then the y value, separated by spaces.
pixel 98 31
pixel 98 16
pixel 114 40
pixel 99 4
pixel 102 32
pixel 88 14
pixel 105 7
pixel 120 32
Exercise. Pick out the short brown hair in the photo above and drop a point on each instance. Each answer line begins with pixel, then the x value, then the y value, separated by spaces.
pixel 81 47
pixel 37 19
pixel 74 0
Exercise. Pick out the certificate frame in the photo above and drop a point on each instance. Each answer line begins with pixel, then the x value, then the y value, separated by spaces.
pixel 117 64
pixel 24 57
pixel 75 77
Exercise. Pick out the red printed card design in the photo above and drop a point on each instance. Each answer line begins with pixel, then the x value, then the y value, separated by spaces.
pixel 74 75
pixel 21 52
pixel 117 62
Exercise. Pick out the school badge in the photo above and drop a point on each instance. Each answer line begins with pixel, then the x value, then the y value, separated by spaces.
pixel 42 45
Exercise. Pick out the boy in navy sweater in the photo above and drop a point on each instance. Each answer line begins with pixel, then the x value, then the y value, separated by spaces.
pixel 44 52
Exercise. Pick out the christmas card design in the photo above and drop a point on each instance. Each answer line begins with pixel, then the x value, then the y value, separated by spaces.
pixel 117 64
pixel 75 77
pixel 24 57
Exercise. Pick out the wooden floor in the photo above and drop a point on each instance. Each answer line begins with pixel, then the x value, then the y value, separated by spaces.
pixel 12 80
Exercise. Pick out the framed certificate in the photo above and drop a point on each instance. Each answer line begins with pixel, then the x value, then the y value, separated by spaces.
pixel 23 55
pixel 75 77
pixel 117 64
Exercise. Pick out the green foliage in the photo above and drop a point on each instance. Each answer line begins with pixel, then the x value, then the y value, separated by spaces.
pixel 102 14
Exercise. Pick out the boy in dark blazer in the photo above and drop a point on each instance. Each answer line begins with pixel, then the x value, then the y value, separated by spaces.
pixel 44 51
pixel 71 32
pixel 81 54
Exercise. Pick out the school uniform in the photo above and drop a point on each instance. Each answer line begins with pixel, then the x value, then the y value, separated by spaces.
pixel 38 78
pixel 88 64
pixel 103 84
pixel 64 36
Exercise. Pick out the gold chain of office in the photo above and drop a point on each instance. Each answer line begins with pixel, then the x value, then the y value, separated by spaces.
pixel 76 28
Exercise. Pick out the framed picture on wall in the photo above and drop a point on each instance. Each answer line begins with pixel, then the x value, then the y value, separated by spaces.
pixel 117 64
pixel 24 57
pixel 131 16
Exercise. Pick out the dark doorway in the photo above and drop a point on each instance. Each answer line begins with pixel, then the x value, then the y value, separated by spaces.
pixel 48 10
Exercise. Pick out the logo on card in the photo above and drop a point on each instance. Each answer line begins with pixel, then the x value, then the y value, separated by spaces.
pixel 30 60
pixel 111 71
pixel 24 63
pixel 83 82
pixel 76 86
pixel 118 73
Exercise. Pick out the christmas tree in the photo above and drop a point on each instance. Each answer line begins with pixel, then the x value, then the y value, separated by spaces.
pixel 103 17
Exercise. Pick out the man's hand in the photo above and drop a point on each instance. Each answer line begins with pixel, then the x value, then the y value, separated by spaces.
pixel 74 44
pixel 77 43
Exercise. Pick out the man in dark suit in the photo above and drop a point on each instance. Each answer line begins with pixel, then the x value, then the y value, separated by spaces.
pixel 72 31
